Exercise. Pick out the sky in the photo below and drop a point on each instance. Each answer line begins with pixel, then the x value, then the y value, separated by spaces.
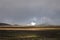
pixel 26 11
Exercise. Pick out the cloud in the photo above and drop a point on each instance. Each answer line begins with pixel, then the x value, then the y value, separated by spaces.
pixel 53 4
pixel 46 20
pixel 8 20
pixel 42 20
pixel 21 10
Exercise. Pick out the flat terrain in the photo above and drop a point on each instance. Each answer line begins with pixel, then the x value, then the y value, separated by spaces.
pixel 28 28
pixel 29 33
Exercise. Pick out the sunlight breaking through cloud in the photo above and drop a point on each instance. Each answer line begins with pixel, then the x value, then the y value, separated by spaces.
pixel 41 20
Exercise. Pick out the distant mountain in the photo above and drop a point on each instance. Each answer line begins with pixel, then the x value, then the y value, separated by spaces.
pixel 4 24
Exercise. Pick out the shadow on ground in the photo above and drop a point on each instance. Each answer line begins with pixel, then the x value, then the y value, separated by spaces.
pixel 29 35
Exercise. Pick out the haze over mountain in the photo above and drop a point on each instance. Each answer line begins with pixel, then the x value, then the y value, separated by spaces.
pixel 36 21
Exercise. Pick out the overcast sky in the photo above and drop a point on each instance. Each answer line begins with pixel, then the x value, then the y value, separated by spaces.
pixel 25 11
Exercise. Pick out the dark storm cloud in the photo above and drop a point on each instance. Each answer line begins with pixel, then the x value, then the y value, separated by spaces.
pixel 22 10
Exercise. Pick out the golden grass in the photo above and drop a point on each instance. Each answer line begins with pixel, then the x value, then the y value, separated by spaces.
pixel 29 28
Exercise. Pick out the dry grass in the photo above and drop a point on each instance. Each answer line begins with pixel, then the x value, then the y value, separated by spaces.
pixel 32 28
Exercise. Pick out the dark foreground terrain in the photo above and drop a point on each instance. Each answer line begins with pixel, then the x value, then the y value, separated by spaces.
pixel 29 35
